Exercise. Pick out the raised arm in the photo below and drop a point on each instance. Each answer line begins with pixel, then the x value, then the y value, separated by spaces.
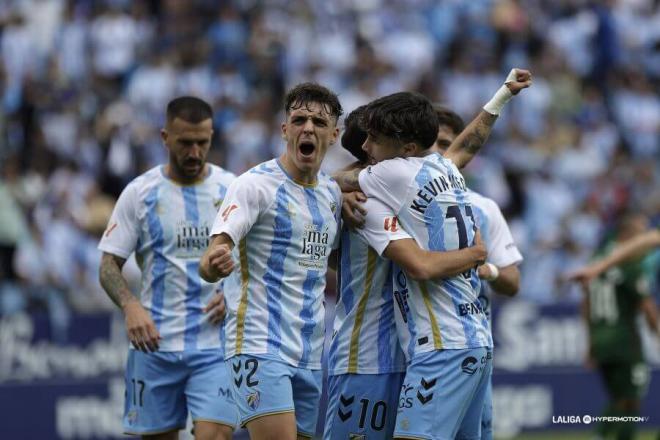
pixel 421 265
pixel 140 327
pixel 469 142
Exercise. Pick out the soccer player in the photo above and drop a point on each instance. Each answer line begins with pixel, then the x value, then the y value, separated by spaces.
pixel 441 323
pixel 611 304
pixel 366 365
pixel 501 270
pixel 283 218
pixel 176 363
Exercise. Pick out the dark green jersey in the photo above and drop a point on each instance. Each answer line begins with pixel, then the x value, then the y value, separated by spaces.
pixel 614 300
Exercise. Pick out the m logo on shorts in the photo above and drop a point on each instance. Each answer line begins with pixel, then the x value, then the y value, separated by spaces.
pixel 469 365
pixel 253 400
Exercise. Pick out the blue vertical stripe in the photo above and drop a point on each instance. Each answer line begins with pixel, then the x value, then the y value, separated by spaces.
pixel 159 267
pixel 193 282
pixel 309 294
pixel 386 324
pixel 469 322
pixel 282 231
pixel 347 296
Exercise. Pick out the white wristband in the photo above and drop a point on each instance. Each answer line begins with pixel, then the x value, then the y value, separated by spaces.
pixel 494 272
pixel 502 96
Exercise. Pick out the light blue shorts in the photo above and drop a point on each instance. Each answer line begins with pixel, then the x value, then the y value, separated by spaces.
pixel 162 387
pixel 487 413
pixel 447 390
pixel 362 406
pixel 265 385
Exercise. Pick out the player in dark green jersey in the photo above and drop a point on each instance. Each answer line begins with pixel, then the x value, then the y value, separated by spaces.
pixel 611 305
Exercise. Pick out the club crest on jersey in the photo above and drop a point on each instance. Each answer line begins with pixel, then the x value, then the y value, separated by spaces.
pixel 217 203
pixel 253 400
pixel 333 207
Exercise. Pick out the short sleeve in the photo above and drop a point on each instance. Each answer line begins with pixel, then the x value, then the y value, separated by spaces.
pixel 121 234
pixel 502 250
pixel 388 180
pixel 381 226
pixel 239 210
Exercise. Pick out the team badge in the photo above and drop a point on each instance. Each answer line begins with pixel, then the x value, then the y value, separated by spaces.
pixel 253 400
pixel 333 207
pixel 132 417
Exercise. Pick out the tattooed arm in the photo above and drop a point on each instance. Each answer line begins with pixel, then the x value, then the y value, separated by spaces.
pixel 469 142
pixel 113 281
pixel 348 180
pixel 140 327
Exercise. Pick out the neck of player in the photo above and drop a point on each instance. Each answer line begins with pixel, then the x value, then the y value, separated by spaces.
pixel 298 175
pixel 176 175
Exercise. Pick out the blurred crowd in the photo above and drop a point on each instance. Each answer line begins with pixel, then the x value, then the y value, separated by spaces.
pixel 84 85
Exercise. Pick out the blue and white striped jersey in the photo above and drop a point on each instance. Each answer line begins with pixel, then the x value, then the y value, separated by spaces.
pixel 429 197
pixel 167 225
pixel 284 232
pixel 502 250
pixel 365 339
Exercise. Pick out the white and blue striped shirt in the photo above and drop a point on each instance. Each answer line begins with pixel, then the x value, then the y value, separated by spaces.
pixel 167 225
pixel 365 339
pixel 283 233
pixel 502 250
pixel 429 198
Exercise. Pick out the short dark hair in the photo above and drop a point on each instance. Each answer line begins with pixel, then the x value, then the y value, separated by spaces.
pixel 406 116
pixel 306 93
pixel 449 118
pixel 354 136
pixel 190 109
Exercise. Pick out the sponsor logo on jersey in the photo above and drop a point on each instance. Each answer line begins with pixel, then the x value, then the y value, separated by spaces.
pixel 191 239
pixel 314 246
pixel 473 308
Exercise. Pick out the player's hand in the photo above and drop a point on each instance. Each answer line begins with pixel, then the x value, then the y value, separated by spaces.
pixel 583 275
pixel 484 272
pixel 352 209
pixel 216 308
pixel 221 261
pixel 140 327
pixel 480 247
pixel 518 79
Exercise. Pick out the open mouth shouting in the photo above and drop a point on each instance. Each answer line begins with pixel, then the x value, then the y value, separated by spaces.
pixel 306 150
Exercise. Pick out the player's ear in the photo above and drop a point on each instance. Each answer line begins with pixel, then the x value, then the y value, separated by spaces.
pixel 163 135
pixel 284 130
pixel 410 149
